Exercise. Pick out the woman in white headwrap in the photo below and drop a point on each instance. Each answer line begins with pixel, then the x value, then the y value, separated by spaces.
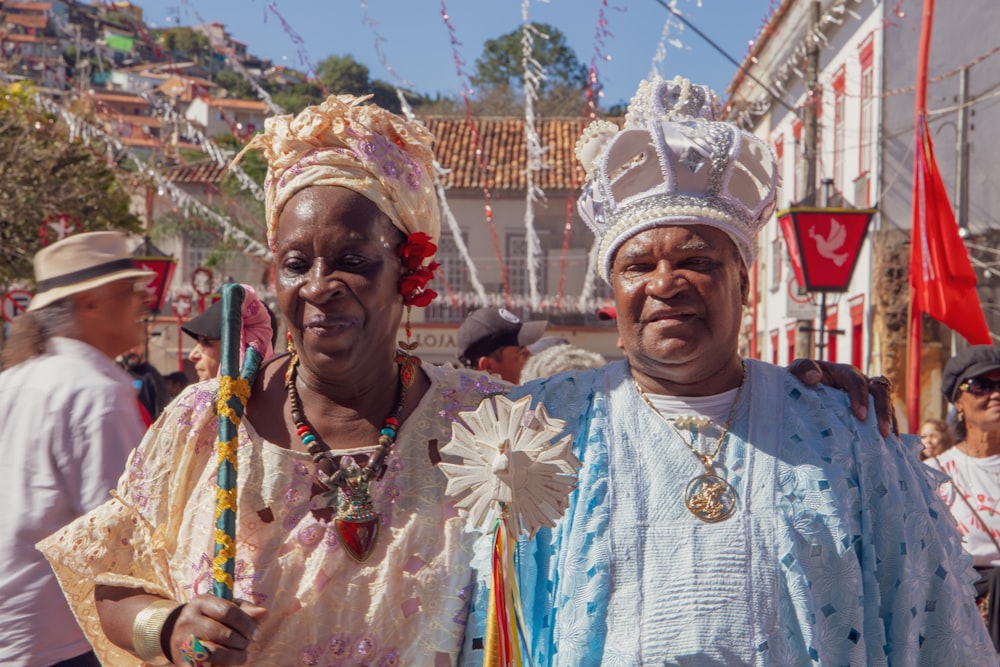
pixel 347 551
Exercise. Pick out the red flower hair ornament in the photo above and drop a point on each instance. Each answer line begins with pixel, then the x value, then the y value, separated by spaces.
pixel 417 248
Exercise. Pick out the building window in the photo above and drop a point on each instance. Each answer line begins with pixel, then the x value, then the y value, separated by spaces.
pixel 857 306
pixel 868 120
pixel 779 153
pixel 790 331
pixel 516 259
pixel 839 142
pixel 777 261
pixel 451 278
pixel 798 162
pixel 197 250
pixel 831 334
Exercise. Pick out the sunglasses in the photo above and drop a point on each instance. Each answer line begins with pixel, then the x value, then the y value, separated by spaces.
pixel 980 387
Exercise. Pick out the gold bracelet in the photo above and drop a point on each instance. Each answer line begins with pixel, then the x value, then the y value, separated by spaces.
pixel 147 628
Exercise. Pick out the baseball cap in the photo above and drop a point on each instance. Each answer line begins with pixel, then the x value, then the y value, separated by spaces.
pixel 488 329
pixel 968 363
pixel 607 313
pixel 545 342
pixel 207 325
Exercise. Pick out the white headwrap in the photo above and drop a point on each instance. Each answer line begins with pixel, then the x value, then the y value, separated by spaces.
pixel 360 147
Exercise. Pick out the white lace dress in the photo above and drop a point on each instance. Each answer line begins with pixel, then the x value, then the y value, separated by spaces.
pixel 406 605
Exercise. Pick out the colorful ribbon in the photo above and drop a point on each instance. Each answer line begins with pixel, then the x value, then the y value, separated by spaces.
pixel 505 636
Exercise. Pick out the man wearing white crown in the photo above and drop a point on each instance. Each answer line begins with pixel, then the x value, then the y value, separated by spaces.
pixel 725 515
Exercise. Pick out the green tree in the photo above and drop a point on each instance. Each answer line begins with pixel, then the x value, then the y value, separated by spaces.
pixel 237 86
pixel 296 97
pixel 186 43
pixel 344 74
pixel 500 63
pixel 44 174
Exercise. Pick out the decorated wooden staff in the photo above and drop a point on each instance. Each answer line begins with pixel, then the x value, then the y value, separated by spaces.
pixel 515 480
pixel 234 392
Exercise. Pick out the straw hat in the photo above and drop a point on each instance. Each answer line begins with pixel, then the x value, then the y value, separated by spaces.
pixel 82 262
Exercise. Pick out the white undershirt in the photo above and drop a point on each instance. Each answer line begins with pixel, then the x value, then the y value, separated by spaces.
pixel 716 407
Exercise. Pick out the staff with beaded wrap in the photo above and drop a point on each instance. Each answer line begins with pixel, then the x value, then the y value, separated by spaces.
pixel 234 392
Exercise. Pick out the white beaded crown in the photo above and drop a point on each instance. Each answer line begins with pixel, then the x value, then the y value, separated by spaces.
pixel 674 164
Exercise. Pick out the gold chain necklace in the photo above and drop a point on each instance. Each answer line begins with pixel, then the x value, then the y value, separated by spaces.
pixel 708 496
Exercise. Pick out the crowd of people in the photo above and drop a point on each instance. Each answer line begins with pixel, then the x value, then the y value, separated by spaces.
pixel 727 511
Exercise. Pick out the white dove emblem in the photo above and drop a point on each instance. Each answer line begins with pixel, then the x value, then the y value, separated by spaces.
pixel 834 241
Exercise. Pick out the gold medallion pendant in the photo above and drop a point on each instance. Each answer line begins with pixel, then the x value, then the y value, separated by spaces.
pixel 710 498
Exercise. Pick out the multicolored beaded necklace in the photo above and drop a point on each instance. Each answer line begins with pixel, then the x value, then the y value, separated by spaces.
pixel 357 523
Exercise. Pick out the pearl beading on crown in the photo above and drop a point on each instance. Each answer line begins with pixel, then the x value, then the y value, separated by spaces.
pixel 673 163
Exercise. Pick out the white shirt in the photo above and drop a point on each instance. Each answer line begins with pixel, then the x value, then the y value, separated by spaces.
pixel 68 420
pixel 978 479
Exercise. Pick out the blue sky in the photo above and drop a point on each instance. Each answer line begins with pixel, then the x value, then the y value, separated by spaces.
pixel 416 44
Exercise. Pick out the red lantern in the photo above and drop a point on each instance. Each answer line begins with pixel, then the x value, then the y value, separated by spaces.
pixel 149 257
pixel 824 244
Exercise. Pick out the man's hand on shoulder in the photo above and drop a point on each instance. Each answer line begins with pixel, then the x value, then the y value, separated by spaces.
pixel 857 385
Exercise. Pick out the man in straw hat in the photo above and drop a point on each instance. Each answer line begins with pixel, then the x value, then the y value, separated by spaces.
pixel 68 419
pixel 724 515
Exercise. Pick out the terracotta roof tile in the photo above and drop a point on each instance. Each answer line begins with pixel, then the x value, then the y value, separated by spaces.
pixel 121 98
pixel 199 172
pixel 37 21
pixel 505 153
pixel 233 103
pixel 29 6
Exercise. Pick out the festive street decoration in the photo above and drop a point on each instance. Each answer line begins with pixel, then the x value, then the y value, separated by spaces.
pixel 824 244
pixel 57 227
pixel 534 74
pixel 147 256
pixel 482 165
pixel 188 206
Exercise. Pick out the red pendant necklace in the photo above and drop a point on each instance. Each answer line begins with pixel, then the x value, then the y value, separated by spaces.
pixel 356 522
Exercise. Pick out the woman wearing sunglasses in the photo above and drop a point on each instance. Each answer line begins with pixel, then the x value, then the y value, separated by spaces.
pixel 971 381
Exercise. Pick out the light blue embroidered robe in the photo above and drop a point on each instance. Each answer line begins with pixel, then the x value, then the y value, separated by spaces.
pixel 839 552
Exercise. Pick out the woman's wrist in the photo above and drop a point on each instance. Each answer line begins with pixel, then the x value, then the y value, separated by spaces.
pixel 147 631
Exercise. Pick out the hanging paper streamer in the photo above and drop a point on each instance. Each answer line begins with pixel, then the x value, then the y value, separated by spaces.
pixel 367 20
pixel 238 67
pixel 780 74
pixel 484 168
pixel 534 74
pixel 300 47
pixel 512 480
pixel 440 172
pixel 90 133
pixel 234 392
pixel 220 157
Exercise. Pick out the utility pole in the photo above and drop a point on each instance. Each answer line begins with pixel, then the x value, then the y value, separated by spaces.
pixel 810 156
pixel 962 153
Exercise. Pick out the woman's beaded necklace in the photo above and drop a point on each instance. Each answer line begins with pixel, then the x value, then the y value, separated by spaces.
pixel 357 523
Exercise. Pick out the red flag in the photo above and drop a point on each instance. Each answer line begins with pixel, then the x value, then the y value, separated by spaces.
pixel 944 284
